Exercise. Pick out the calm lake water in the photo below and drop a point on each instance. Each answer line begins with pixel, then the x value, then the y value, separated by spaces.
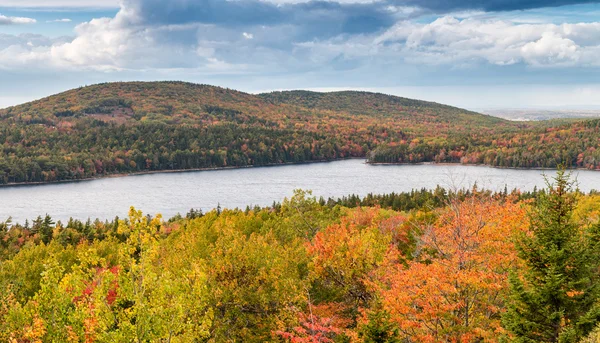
pixel 170 193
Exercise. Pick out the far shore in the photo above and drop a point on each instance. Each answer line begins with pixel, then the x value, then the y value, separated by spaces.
pixel 164 171
pixel 467 164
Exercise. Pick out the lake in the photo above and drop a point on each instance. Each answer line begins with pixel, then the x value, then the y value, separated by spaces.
pixel 170 193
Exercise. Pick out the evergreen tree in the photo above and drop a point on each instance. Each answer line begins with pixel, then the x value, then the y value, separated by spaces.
pixel 45 229
pixel 555 299
pixel 379 329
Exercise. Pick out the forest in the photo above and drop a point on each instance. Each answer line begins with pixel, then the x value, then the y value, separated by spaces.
pixel 132 127
pixel 423 266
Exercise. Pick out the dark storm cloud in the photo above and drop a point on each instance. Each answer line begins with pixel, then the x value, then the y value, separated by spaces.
pixel 314 19
pixel 308 21
pixel 336 16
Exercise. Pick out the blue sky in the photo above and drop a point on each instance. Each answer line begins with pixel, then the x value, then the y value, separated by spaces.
pixel 469 53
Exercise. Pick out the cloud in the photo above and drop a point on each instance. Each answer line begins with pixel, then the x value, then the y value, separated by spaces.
pixel 445 6
pixel 4 20
pixel 61 3
pixel 458 42
pixel 440 6
pixel 161 34
pixel 252 36
pixel 65 20
pixel 314 19
pixel 26 51
pixel 551 49
pixel 30 39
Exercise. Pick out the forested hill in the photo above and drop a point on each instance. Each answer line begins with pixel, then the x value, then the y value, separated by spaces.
pixel 192 103
pixel 149 126
pixel 378 104
pixel 141 102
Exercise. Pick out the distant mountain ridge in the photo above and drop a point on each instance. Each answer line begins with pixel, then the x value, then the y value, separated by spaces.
pixel 312 99
pixel 176 99
pixel 130 127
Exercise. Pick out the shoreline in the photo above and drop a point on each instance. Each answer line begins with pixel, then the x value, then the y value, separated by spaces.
pixel 468 165
pixel 166 171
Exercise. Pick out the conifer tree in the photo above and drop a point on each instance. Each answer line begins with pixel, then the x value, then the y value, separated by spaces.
pixel 554 297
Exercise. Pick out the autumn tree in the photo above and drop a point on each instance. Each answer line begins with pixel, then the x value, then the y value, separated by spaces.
pixel 254 284
pixel 452 290
pixel 319 324
pixel 346 255
pixel 554 297
pixel 156 302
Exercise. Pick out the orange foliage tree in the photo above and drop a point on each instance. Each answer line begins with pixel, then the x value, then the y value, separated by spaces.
pixel 453 289
pixel 345 255
pixel 345 259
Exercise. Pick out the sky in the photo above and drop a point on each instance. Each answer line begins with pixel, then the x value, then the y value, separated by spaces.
pixel 476 54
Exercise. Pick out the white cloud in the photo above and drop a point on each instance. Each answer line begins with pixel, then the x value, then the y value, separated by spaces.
pixel 4 20
pixel 61 3
pixel 551 49
pixel 451 41
pixel 116 44
pixel 7 40
pixel 126 42
pixel 65 20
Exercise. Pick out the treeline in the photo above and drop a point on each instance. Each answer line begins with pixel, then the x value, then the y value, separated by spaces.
pixel 575 145
pixel 104 149
pixel 419 199
pixel 478 267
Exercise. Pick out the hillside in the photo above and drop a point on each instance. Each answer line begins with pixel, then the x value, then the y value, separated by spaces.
pixel 140 101
pixel 377 104
pixel 187 103
pixel 149 126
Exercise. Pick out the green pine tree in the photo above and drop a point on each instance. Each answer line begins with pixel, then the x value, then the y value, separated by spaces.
pixel 554 297
pixel 379 328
